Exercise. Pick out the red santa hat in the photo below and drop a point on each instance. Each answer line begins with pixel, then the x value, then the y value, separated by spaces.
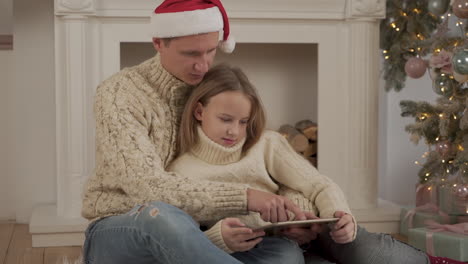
pixel 177 18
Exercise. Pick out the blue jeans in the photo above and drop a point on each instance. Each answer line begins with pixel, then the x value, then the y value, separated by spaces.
pixel 161 233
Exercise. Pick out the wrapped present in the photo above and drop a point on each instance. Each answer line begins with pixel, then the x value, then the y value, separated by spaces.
pixel 450 241
pixel 416 217
pixel 453 198
pixel 426 193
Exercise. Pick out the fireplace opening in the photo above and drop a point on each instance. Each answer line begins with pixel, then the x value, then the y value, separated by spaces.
pixel 285 75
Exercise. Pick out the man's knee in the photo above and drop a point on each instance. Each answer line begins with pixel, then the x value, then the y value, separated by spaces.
pixel 160 218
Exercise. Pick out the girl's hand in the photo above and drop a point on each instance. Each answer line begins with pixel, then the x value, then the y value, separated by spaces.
pixel 343 231
pixel 237 237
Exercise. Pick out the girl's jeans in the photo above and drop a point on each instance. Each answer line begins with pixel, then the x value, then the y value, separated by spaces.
pixel 161 233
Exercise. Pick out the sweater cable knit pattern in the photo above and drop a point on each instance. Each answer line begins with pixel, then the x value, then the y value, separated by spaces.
pixel 137 119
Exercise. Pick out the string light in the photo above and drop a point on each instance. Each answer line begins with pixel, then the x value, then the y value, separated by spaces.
pixel 387 57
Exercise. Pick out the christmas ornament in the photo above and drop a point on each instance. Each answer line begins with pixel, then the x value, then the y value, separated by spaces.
pixel 443 148
pixel 460 8
pixel 438 7
pixel 415 67
pixel 443 85
pixel 460 61
pixel 461 78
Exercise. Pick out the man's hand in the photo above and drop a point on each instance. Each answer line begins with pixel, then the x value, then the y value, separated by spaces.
pixel 272 208
pixel 237 237
pixel 304 235
pixel 343 231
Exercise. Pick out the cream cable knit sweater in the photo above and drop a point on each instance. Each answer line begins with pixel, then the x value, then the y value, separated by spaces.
pixel 271 165
pixel 137 119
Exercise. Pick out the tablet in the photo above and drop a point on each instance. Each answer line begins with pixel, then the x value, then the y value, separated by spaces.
pixel 299 223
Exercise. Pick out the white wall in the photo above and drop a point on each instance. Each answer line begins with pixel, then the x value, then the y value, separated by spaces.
pixel 6 17
pixel 397 154
pixel 30 145
pixel 6 208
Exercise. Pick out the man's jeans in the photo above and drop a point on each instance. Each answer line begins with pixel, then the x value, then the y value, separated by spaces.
pixel 161 233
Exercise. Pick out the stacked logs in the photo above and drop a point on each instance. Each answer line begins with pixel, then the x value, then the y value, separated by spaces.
pixel 303 138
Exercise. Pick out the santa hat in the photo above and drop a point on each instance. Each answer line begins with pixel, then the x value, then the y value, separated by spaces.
pixel 177 18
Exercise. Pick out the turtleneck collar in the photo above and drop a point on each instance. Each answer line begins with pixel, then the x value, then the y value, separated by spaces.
pixel 214 153
pixel 164 83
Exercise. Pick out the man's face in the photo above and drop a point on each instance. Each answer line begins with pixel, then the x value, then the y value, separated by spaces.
pixel 188 58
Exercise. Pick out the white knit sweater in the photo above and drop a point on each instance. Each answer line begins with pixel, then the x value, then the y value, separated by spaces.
pixel 271 165
pixel 137 115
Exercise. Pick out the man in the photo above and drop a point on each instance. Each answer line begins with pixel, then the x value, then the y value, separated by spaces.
pixel 139 212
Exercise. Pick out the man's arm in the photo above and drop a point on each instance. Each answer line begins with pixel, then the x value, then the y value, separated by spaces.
pixel 130 169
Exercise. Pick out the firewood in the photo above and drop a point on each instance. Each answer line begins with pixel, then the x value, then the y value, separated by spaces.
pixel 298 141
pixel 308 128
pixel 311 149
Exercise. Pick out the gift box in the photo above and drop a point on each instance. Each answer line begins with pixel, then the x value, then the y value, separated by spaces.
pixel 426 193
pixel 453 198
pixel 411 217
pixel 440 243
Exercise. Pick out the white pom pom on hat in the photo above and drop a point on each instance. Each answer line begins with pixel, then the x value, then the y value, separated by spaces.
pixel 177 18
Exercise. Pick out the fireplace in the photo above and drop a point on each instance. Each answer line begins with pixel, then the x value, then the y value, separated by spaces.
pixel 313 59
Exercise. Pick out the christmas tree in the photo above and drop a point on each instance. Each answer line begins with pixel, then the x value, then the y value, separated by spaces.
pixel 416 39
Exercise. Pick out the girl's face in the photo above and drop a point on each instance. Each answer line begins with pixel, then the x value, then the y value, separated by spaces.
pixel 224 119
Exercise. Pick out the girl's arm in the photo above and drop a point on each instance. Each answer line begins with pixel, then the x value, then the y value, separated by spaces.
pixel 293 171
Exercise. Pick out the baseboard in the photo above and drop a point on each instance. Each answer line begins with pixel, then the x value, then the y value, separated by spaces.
pixel 49 230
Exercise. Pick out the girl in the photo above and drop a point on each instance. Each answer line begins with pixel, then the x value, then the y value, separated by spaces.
pixel 222 137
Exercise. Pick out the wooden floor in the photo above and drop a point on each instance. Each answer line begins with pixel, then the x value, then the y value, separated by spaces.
pixel 16 247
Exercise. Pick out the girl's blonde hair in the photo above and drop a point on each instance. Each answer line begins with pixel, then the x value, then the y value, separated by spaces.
pixel 221 78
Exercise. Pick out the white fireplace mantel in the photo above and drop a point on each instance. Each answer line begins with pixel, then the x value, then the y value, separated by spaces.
pixel 88 34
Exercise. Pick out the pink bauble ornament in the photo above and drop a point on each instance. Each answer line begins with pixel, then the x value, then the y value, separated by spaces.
pixel 460 8
pixel 415 67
